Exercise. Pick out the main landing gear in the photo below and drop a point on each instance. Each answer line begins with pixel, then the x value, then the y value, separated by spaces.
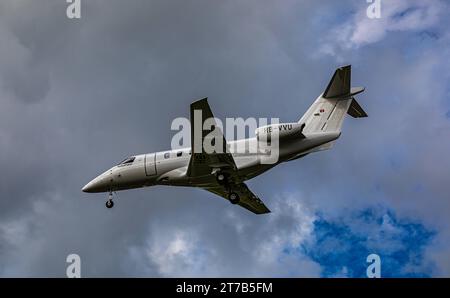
pixel 223 179
pixel 109 204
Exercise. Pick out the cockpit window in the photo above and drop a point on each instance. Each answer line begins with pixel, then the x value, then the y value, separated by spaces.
pixel 128 160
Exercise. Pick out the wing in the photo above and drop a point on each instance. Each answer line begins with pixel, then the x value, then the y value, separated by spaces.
pixel 247 198
pixel 218 156
pixel 203 160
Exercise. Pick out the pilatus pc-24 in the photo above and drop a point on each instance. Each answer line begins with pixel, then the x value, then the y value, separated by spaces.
pixel 224 173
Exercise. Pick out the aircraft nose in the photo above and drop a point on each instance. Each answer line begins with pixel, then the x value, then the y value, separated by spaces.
pixel 99 184
pixel 88 187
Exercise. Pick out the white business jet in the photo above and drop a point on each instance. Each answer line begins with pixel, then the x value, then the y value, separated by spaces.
pixel 223 172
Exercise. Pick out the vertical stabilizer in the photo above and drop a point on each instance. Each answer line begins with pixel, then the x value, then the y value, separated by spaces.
pixel 328 111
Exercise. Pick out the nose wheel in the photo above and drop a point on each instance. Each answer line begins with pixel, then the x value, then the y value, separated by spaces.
pixel 109 204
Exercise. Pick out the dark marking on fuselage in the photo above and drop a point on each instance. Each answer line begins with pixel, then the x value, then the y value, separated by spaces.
pixel 281 127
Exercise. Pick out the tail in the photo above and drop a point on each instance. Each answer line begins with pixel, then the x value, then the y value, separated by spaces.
pixel 328 111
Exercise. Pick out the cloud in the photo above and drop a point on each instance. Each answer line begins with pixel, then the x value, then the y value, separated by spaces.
pixel 181 254
pixel 23 73
pixel 258 248
pixel 396 16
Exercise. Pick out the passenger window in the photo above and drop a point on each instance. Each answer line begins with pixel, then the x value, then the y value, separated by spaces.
pixel 166 155
pixel 179 154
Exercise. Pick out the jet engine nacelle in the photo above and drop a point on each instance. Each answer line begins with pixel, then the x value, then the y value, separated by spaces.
pixel 283 130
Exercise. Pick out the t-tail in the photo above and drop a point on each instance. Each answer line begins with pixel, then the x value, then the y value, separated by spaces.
pixel 328 111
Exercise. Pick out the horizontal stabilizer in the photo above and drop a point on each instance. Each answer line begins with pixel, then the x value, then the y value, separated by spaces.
pixel 356 90
pixel 355 110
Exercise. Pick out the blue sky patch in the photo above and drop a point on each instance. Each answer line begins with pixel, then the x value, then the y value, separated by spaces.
pixel 341 247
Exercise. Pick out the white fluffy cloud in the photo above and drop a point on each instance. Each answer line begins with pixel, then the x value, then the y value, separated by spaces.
pixel 398 15
pixel 186 251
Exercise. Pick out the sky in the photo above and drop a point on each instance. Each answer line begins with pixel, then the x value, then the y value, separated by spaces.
pixel 79 95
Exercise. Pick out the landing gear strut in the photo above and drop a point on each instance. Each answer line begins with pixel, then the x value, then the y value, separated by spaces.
pixel 109 204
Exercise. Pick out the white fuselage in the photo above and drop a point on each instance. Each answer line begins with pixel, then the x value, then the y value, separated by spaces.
pixel 170 167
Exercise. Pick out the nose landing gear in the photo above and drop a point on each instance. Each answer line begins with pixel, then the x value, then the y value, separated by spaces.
pixel 109 204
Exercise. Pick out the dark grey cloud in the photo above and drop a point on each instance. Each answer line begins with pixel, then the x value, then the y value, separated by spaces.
pixel 78 95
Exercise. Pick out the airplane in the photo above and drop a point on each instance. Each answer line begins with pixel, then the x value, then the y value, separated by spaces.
pixel 223 172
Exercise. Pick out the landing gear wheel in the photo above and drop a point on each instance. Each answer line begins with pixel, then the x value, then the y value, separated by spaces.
pixel 109 204
pixel 221 178
pixel 233 197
